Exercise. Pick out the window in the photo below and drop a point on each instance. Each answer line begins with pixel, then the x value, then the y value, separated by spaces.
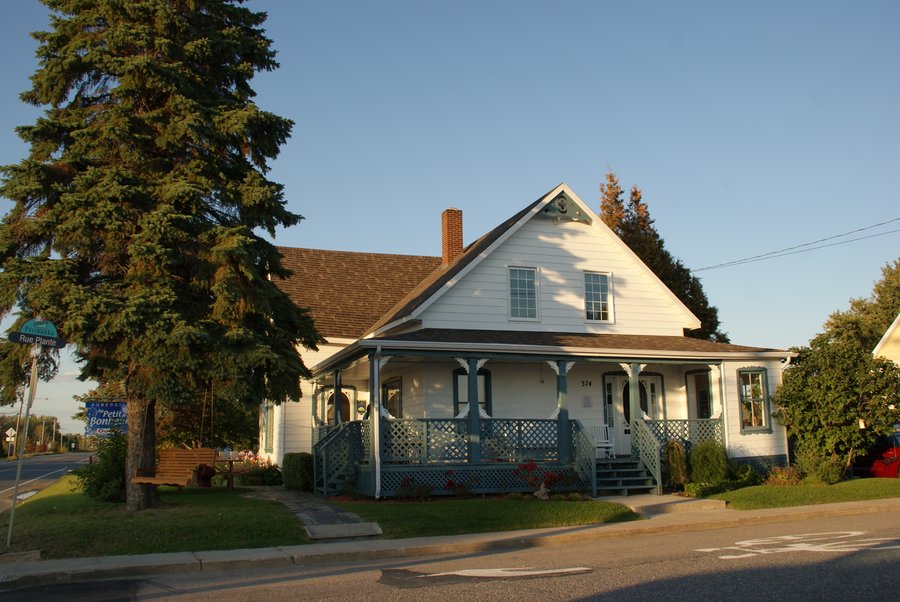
pixel 596 296
pixel 392 397
pixel 461 390
pixel 702 395
pixel 754 395
pixel 522 293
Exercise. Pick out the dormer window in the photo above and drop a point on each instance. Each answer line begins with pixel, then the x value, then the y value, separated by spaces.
pixel 596 297
pixel 523 293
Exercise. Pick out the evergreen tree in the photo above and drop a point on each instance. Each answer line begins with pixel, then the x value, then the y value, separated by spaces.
pixel 835 382
pixel 137 211
pixel 612 208
pixel 635 227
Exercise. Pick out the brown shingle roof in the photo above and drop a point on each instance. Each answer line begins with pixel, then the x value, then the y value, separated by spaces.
pixel 347 292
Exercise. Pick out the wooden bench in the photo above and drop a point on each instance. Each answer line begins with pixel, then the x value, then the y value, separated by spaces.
pixel 177 467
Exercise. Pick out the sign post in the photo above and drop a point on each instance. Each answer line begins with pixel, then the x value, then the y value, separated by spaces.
pixel 37 333
pixel 11 438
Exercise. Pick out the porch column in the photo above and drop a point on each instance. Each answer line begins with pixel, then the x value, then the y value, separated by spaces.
pixel 474 426
pixel 336 403
pixel 564 431
pixel 634 390
pixel 375 416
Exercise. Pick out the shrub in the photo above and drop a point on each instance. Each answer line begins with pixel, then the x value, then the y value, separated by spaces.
pixel 743 474
pixel 676 464
pixel 297 471
pixel 411 490
pixel 104 478
pixel 815 467
pixel 258 475
pixel 708 463
pixel 788 475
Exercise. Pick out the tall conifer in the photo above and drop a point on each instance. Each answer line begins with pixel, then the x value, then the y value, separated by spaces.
pixel 137 212
pixel 635 228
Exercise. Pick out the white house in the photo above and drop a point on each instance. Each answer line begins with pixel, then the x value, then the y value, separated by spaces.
pixel 550 324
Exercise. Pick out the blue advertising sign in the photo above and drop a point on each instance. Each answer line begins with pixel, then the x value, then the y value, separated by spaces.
pixel 105 416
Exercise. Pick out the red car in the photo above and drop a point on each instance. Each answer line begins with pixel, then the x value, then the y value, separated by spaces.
pixel 883 461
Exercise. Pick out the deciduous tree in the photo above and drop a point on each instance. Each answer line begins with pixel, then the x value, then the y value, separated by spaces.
pixel 139 211
pixel 837 398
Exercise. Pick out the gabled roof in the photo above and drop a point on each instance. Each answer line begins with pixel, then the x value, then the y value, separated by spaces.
pixel 441 279
pixel 889 345
pixel 445 273
pixel 347 292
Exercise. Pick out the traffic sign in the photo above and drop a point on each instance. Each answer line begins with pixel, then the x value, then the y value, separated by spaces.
pixel 10 432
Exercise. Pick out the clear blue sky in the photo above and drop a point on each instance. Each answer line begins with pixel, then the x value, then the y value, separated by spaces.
pixel 750 127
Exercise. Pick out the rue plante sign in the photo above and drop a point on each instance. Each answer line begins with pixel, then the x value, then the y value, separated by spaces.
pixel 38 332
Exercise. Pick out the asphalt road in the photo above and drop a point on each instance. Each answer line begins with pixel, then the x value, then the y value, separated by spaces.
pixel 37 473
pixel 822 559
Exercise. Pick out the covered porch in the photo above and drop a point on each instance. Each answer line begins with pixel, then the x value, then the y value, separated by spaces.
pixel 449 422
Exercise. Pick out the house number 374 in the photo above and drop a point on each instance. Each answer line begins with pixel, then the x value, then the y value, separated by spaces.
pixel 585 383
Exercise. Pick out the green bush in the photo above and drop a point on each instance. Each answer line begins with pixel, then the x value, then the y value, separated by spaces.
pixel 259 475
pixel 816 467
pixel 676 464
pixel 788 475
pixel 743 474
pixel 104 478
pixel 297 471
pixel 708 463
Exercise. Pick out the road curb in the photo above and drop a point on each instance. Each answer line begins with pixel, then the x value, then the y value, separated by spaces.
pixel 42 572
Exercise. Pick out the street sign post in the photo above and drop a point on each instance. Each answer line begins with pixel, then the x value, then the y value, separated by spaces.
pixel 38 333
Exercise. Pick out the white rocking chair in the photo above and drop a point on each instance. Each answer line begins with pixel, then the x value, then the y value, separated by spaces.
pixel 603 440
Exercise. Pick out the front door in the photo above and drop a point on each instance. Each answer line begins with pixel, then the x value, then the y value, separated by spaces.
pixel 650 390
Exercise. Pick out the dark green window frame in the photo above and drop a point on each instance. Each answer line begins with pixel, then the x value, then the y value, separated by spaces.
pixel 484 375
pixel 753 400
pixel 392 397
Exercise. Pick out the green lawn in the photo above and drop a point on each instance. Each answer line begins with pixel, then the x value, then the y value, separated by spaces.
pixel 62 523
pixel 779 496
pixel 457 516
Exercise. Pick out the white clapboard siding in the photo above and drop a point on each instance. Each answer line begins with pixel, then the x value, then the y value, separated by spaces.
pixel 561 253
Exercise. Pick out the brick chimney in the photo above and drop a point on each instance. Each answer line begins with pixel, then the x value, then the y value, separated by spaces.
pixel 451 235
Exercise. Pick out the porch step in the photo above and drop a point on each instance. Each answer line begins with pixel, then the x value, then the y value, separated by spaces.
pixel 335 485
pixel 623 476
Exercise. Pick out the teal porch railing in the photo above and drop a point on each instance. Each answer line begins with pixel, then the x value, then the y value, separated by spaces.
pixel 335 457
pixel 687 432
pixel 646 447
pixel 649 438
pixel 434 452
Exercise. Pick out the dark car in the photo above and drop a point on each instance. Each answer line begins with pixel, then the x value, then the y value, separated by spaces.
pixel 883 460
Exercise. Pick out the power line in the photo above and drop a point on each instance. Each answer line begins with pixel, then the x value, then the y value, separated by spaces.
pixel 800 248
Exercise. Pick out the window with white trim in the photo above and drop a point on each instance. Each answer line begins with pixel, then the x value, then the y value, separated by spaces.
pixel 753 389
pixel 523 293
pixel 596 296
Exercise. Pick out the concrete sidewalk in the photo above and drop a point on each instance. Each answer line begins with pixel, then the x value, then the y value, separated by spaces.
pixel 665 514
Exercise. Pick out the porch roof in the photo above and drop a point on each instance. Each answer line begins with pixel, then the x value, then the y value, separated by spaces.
pixel 547 345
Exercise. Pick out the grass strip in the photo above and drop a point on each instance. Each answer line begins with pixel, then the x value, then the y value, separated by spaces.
pixel 63 523
pixel 781 496
pixel 455 517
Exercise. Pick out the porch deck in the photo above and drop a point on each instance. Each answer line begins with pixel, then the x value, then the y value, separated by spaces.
pixel 439 455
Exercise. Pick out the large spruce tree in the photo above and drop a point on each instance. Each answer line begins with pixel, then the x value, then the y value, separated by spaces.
pixel 634 226
pixel 138 213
